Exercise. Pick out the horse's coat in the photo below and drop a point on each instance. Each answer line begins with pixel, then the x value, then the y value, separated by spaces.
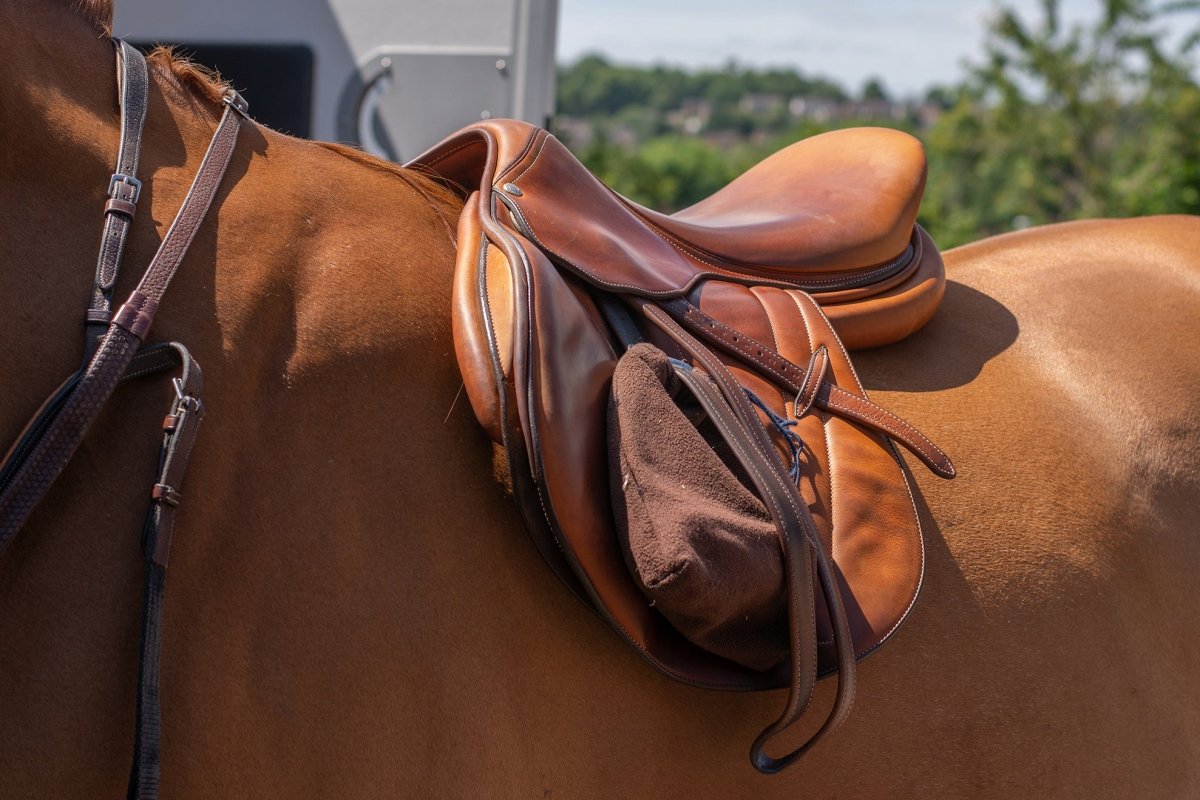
pixel 354 609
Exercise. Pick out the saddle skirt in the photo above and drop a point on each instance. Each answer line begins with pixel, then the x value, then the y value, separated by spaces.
pixel 557 274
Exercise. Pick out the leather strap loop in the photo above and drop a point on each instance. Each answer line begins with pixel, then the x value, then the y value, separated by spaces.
pixel 814 376
pixel 124 207
pixel 800 543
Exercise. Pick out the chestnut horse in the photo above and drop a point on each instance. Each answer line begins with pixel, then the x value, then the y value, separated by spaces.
pixel 354 609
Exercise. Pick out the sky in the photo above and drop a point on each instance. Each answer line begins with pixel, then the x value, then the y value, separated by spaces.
pixel 909 44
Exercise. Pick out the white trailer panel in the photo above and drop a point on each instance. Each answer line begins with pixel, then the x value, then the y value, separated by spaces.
pixel 392 75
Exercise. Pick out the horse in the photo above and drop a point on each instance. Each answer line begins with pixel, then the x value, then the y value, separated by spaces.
pixel 354 608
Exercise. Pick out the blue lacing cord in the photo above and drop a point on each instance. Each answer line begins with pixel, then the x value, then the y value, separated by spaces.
pixel 784 426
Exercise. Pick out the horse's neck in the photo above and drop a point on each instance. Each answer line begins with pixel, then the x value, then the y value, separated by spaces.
pixel 310 260
pixel 58 94
pixel 57 132
pixel 59 135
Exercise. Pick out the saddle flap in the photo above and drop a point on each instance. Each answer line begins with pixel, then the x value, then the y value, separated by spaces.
pixel 850 476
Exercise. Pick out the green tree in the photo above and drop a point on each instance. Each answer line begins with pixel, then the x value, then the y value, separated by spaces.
pixel 874 90
pixel 1066 122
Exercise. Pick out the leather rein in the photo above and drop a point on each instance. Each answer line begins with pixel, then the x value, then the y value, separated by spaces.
pixel 113 354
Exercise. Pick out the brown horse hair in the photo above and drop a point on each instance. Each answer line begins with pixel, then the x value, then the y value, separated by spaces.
pixel 425 189
pixel 185 72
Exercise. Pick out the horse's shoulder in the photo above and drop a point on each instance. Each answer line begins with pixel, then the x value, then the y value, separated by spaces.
pixel 355 253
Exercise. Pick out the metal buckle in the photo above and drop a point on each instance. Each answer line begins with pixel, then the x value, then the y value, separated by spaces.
pixel 236 102
pixel 128 180
pixel 187 402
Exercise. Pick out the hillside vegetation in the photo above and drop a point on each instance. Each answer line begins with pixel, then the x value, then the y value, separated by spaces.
pixel 1054 122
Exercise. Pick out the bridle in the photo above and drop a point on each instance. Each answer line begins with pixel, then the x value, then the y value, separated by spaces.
pixel 113 354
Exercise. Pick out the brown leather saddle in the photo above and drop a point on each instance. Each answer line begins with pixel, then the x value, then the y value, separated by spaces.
pixel 756 293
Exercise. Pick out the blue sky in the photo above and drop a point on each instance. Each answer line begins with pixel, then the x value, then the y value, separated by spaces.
pixel 910 44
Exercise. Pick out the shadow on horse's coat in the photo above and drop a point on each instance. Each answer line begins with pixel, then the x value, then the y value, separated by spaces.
pixel 355 609
pixel 980 327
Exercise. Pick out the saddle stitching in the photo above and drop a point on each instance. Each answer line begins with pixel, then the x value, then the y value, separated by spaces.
pixel 920 546
pixel 545 139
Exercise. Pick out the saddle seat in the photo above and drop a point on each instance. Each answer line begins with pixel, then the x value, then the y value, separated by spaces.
pixel 823 205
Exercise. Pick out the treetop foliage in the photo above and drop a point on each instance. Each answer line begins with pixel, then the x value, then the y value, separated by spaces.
pixel 594 86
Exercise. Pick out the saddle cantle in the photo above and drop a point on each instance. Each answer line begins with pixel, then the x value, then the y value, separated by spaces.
pixel 748 291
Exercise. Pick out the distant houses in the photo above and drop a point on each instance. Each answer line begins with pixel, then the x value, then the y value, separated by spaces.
pixel 753 117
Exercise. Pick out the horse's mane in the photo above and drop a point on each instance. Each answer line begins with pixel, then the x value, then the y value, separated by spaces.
pixel 208 83
pixel 97 12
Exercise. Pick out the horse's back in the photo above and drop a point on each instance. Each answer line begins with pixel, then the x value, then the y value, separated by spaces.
pixel 1050 651
pixel 1059 608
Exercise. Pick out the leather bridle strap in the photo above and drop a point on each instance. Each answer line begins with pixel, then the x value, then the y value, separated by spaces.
pixel 180 427
pixel 51 438
pixel 74 413
pixel 124 190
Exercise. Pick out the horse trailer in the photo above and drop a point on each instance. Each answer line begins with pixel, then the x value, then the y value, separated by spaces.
pixel 392 76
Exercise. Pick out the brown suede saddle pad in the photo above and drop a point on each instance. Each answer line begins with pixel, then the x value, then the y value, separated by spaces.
pixel 769 282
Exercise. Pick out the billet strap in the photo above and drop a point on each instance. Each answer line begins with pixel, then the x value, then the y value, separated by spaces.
pixel 822 393
pixel 70 416
pixel 733 416
pixel 124 189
